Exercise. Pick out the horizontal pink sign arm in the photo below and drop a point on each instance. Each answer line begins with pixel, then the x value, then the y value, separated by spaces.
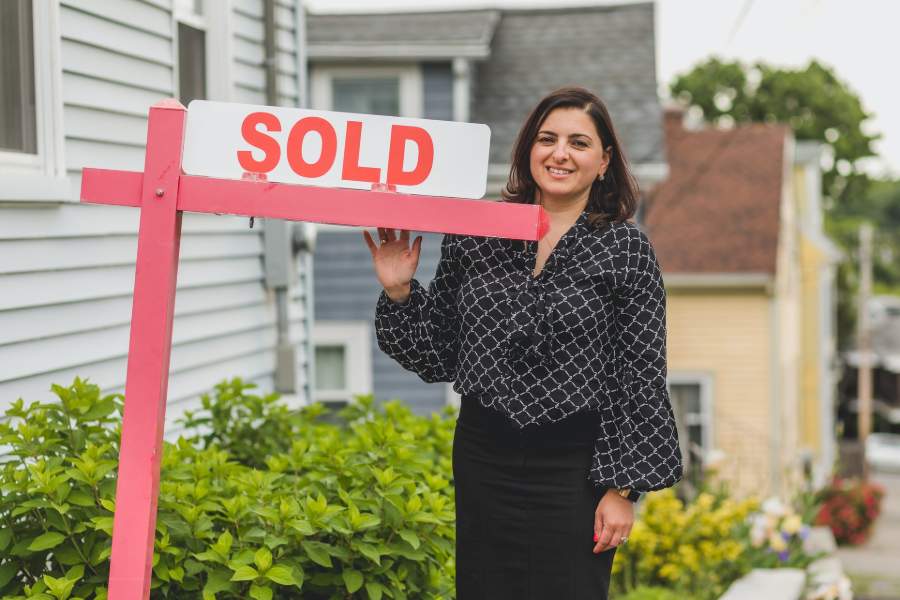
pixel 107 186
pixel 339 206
pixel 342 206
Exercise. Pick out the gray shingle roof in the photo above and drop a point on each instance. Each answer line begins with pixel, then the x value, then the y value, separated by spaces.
pixel 326 33
pixel 607 49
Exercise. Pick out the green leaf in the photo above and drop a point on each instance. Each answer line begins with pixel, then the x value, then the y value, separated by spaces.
pixel 375 590
pixel 317 554
pixel 7 572
pixel 51 539
pixel 259 592
pixel 410 537
pixel 263 559
pixel 75 573
pixel 245 573
pixel 102 409
pixel 353 579
pixel 103 524
pixel 61 587
pixel 223 545
pixel 217 581
pixel 79 498
pixel 5 537
pixel 177 573
pixel 281 575
pixel 369 551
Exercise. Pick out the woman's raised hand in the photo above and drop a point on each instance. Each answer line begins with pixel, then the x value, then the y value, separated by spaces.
pixel 395 261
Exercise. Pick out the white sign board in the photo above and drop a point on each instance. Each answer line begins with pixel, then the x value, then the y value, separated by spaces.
pixel 334 149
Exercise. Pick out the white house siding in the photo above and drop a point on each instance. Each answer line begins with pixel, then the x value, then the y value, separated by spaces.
pixel 67 270
pixel 248 25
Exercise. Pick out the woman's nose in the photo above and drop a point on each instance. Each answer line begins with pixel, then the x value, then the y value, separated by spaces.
pixel 560 152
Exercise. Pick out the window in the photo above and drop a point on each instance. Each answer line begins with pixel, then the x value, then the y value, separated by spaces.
pixel 30 103
pixel 191 63
pixel 18 119
pixel 342 361
pixel 378 90
pixel 374 96
pixel 691 397
pixel 192 55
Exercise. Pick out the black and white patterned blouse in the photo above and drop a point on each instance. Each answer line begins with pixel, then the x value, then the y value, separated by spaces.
pixel 587 334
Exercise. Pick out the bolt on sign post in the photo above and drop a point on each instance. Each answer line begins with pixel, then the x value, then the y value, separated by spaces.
pixel 272 162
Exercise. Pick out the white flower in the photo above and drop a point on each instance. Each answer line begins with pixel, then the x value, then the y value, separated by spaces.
pixel 774 506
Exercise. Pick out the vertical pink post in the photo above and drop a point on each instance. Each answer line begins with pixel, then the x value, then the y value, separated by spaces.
pixel 147 377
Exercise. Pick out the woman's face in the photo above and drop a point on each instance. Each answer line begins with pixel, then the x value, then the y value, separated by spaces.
pixel 567 156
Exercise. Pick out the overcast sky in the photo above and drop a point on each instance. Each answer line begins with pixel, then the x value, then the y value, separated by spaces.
pixel 859 39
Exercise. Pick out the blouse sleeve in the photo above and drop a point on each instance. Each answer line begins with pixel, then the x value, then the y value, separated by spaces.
pixel 654 458
pixel 421 334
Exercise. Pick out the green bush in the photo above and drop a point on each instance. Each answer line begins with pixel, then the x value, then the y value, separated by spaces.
pixel 257 502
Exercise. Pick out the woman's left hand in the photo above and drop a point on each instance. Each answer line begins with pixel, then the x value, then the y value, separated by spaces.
pixel 613 520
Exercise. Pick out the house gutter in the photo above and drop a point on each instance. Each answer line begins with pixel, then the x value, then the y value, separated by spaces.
pixel 277 239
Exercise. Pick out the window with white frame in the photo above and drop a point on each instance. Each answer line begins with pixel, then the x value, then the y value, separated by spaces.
pixel 192 56
pixel 18 118
pixel 30 103
pixel 369 95
pixel 378 89
pixel 343 360
pixel 691 396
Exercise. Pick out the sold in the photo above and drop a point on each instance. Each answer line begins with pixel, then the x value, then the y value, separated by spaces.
pixel 256 127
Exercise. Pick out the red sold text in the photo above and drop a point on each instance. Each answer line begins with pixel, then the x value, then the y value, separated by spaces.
pixel 257 125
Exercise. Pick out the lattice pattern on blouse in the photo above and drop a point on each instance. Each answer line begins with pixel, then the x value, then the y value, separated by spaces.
pixel 586 337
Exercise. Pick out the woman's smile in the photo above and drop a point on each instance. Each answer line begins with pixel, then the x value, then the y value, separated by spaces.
pixel 558 173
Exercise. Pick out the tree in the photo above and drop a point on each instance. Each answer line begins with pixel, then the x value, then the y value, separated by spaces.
pixel 813 101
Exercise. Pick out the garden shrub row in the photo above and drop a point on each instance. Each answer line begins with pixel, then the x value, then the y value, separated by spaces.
pixel 256 501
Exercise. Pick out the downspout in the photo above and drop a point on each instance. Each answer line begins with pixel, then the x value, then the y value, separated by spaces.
pixel 276 239
pixel 304 233
pixel 271 60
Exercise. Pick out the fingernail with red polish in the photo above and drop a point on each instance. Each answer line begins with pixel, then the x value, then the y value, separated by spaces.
pixel 596 537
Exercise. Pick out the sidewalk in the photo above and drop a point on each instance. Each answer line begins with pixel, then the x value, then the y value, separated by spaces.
pixel 874 568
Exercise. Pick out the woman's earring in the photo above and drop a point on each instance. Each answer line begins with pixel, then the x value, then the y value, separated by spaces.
pixel 600 177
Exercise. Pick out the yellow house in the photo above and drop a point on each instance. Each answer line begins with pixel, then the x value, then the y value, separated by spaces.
pixel 749 280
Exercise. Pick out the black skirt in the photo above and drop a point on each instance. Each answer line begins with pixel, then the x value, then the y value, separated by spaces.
pixel 525 509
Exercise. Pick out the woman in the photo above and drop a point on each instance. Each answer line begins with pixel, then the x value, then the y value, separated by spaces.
pixel 558 350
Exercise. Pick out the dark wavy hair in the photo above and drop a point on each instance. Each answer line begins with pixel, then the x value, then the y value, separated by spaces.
pixel 612 200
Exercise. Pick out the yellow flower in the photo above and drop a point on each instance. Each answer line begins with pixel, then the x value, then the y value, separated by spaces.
pixel 776 542
pixel 792 524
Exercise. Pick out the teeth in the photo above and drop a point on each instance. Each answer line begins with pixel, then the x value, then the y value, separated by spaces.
pixel 558 171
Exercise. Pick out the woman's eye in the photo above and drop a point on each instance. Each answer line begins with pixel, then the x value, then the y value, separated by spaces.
pixel 544 140
pixel 580 143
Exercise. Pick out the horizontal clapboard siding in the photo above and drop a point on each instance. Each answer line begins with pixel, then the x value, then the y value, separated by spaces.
pixel 67 271
pixel 248 24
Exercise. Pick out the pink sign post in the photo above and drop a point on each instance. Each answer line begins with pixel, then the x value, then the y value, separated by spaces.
pixel 162 192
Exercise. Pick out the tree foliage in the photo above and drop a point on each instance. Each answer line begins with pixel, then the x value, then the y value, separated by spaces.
pixel 813 101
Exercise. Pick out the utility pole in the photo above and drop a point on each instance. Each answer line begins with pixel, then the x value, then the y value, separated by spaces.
pixel 864 343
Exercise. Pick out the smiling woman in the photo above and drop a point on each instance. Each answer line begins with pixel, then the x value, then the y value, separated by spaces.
pixel 557 348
